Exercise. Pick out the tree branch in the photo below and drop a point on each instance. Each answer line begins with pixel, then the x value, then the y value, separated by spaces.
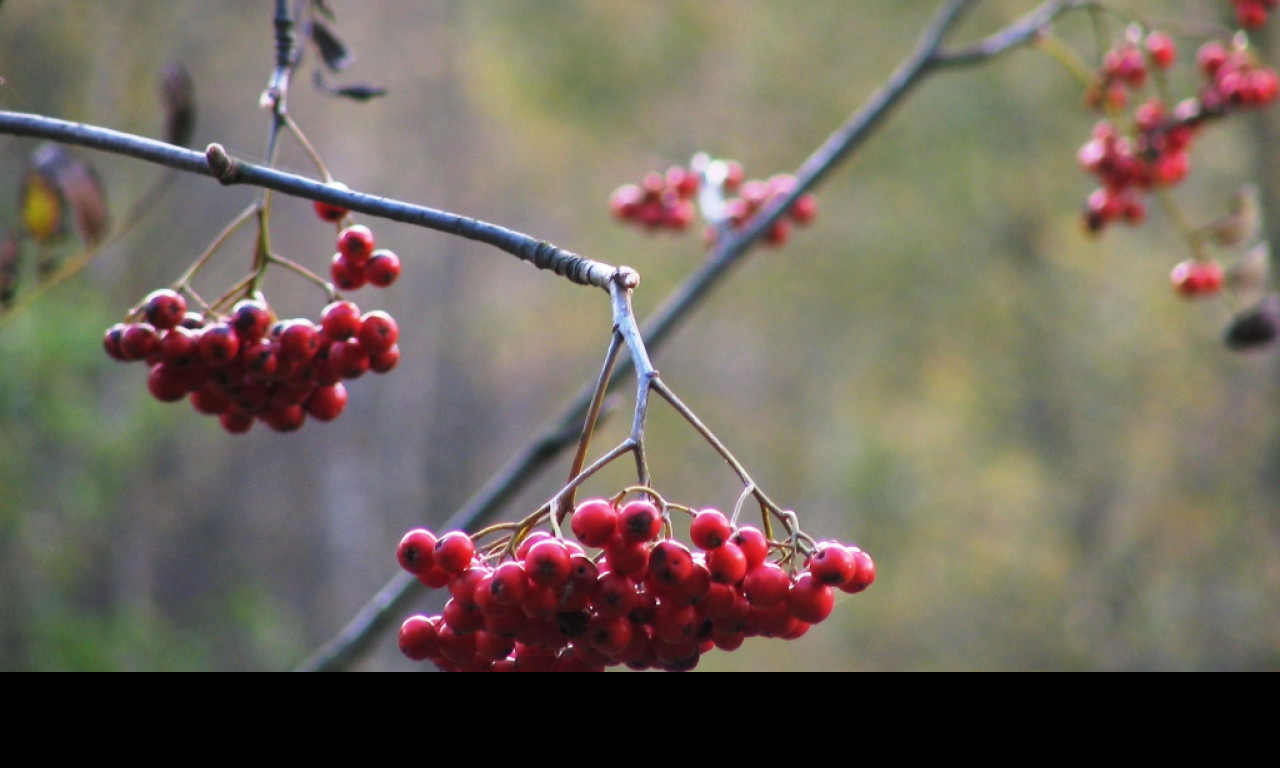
pixel 215 162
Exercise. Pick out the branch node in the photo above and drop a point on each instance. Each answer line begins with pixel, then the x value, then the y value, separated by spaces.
pixel 627 278
pixel 224 168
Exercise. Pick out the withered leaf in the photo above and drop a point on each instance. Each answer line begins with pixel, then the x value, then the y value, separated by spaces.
pixel 337 56
pixel 177 95
pixel 57 184
pixel 1255 327
pixel 10 251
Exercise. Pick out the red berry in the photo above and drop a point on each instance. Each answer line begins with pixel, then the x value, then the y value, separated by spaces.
pixel 594 522
pixel 356 243
pixel 809 599
pixel 454 551
pixel 382 268
pixel 327 403
pixel 509 583
pixel 709 529
pixel 832 563
pixel 766 585
pixel 340 320
pixel 419 637
pixel 385 360
pixel 236 423
pixel 347 274
pixel 378 331
pixel 639 521
pixel 218 344
pixel 753 544
pixel 865 574
pixel 164 308
pixel 329 211
pixel 548 564
pixel 138 341
pixel 1162 49
pixel 727 563
pixel 250 319
pixel 1194 278
pixel 670 564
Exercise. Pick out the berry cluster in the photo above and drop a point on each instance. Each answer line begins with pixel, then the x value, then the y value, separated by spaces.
pixel 1252 14
pixel 645 600
pixel 358 261
pixel 666 201
pixel 661 201
pixel 246 366
pixel 1153 149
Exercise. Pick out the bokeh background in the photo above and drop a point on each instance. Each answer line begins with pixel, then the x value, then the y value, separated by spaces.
pixel 1053 459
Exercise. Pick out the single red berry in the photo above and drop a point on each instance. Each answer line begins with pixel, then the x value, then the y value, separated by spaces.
pixel 356 243
pixel 348 359
pixel 347 275
pixel 454 551
pixel 1193 278
pixel 863 576
pixel 164 308
pixel 809 599
pixel 832 563
pixel 548 563
pixel 509 583
pixel 283 418
pixel 299 341
pixel 210 402
pixel 329 211
pixel 111 341
pixel 1162 49
pixel 340 320
pixel 670 564
pixel 727 563
pixel 709 529
pixel 236 423
pixel 378 331
pixel 382 268
pixel 138 341
pixel 594 522
pixel 218 344
pixel 753 544
pixel 168 384
pixel 327 403
pixel 419 637
pixel 766 585
pixel 639 521
pixel 250 319
pixel 385 360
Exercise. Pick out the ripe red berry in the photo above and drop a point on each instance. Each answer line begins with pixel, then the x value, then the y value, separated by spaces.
pixel 753 544
pixel 727 563
pixel 594 522
pixel 1193 278
pixel 766 585
pixel 382 268
pixel 639 521
pixel 340 320
pixel 356 243
pixel 347 274
pixel 385 360
pixel 378 331
pixel 865 574
pixel 329 211
pixel 416 551
pixel 218 344
pixel 250 319
pixel 419 637
pixel 709 529
pixel 809 599
pixel 138 341
pixel 164 308
pixel 454 551
pixel 327 403
pixel 832 563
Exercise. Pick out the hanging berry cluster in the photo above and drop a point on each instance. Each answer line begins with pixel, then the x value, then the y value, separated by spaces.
pixel 1134 153
pixel 1252 14
pixel 726 199
pixel 242 364
pixel 645 600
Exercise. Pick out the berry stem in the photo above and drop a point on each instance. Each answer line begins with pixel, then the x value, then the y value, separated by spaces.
pixel 227 231
pixel 590 422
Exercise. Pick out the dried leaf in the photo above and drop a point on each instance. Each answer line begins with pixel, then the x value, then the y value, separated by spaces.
pixel 1255 327
pixel 10 251
pixel 177 94
pixel 337 56
pixel 57 183
pixel 43 210
pixel 322 7
pixel 360 92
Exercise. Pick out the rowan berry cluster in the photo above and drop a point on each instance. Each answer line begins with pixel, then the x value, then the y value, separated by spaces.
pixel 666 201
pixel 246 365
pixel 1131 154
pixel 1252 14
pixel 645 600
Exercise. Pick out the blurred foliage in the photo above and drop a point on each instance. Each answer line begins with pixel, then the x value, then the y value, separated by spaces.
pixel 1053 459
